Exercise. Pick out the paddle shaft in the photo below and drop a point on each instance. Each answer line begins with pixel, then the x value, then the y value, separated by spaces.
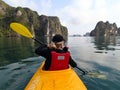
pixel 81 70
pixel 37 41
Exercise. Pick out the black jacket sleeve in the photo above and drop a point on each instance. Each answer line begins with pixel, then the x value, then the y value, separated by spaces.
pixel 42 50
pixel 72 62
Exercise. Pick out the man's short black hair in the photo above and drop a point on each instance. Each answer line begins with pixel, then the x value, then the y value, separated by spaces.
pixel 58 38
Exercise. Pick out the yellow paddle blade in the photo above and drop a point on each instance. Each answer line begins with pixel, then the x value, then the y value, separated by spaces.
pixel 21 29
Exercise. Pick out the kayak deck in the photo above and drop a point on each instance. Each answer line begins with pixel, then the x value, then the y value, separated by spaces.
pixel 55 80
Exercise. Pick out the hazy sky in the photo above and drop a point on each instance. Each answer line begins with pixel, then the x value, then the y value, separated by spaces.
pixel 79 16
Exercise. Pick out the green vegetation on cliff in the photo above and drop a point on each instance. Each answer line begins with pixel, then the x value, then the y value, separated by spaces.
pixel 40 26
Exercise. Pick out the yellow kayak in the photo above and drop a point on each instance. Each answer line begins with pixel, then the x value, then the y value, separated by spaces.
pixel 55 80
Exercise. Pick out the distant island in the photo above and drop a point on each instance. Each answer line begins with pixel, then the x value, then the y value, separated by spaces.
pixel 75 35
pixel 105 29
pixel 102 29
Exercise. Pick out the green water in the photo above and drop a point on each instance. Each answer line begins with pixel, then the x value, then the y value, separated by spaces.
pixel 98 56
pixel 15 49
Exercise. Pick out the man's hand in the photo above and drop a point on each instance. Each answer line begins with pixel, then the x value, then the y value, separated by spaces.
pixel 52 46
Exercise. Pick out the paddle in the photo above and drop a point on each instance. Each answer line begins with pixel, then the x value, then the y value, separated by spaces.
pixel 22 30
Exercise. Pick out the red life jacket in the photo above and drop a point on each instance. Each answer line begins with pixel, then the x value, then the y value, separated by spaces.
pixel 59 61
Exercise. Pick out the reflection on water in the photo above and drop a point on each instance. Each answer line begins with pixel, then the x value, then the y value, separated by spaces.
pixel 14 49
pixel 16 75
pixel 104 42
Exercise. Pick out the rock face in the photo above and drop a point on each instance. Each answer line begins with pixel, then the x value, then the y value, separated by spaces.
pixel 118 32
pixel 49 26
pixel 104 29
pixel 42 27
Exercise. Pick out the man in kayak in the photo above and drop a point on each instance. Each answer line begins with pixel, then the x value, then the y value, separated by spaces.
pixel 57 57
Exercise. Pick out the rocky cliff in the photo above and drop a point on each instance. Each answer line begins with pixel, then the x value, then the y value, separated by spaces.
pixel 42 27
pixel 105 29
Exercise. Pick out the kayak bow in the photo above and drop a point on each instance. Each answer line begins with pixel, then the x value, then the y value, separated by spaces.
pixel 55 80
